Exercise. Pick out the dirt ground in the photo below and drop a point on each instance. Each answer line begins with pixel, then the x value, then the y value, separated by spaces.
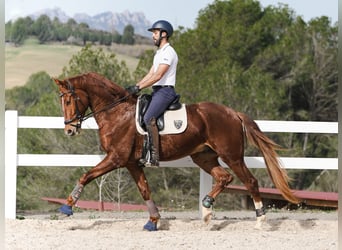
pixel 177 230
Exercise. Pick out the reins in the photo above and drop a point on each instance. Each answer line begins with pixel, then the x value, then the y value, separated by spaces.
pixel 107 107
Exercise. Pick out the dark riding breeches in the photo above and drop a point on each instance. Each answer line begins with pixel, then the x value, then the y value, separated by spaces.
pixel 162 97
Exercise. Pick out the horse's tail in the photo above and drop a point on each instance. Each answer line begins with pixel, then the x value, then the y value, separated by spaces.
pixel 268 149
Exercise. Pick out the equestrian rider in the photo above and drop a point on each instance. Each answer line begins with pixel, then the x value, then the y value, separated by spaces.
pixel 162 78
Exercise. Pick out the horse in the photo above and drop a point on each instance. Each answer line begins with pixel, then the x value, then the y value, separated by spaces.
pixel 213 131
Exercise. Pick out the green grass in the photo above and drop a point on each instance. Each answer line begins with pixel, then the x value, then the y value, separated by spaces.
pixel 23 61
pixel 32 57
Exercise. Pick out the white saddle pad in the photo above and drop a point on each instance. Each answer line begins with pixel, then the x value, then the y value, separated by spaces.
pixel 175 121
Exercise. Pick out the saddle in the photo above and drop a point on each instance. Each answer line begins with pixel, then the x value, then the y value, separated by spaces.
pixel 175 113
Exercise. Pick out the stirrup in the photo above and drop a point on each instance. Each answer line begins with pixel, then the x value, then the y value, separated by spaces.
pixel 152 164
pixel 148 162
pixel 142 162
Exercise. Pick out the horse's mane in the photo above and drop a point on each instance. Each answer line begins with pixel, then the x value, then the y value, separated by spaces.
pixel 99 82
pixel 109 84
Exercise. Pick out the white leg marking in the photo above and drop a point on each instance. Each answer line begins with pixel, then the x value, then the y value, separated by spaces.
pixel 258 205
pixel 260 222
pixel 260 219
pixel 206 214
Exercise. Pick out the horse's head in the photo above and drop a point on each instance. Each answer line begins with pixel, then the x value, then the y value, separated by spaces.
pixel 74 102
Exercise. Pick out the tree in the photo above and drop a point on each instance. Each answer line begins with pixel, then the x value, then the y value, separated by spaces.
pixel 105 38
pixel 8 31
pixel 82 32
pixel 218 56
pixel 144 65
pixel 316 78
pixel 60 31
pixel 46 30
pixel 28 98
pixel 72 23
pixel 43 29
pixel 92 59
pixel 19 31
pixel 128 35
pixel 116 37
pixel 114 186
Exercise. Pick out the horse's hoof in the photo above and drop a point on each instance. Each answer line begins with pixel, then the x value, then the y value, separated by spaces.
pixel 65 209
pixel 150 226
pixel 260 222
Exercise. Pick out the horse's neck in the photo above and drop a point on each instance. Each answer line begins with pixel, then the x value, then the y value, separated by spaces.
pixel 100 96
pixel 106 99
pixel 115 108
pixel 121 113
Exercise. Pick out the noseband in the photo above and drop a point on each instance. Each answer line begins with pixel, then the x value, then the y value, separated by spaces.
pixel 78 115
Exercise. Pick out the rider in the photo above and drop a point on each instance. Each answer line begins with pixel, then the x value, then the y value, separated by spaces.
pixel 162 78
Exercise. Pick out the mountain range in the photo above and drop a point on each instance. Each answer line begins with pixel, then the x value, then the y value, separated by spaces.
pixel 107 21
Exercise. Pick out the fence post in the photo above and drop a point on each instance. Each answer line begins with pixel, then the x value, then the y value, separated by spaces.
pixel 206 183
pixel 11 134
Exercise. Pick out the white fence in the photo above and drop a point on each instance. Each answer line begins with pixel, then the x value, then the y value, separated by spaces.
pixel 13 160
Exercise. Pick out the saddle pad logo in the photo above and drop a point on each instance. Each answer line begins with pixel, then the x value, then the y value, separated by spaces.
pixel 178 123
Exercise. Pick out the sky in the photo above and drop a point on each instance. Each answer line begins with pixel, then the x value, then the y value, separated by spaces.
pixel 178 12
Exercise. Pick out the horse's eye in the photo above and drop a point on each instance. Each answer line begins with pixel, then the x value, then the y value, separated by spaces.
pixel 68 101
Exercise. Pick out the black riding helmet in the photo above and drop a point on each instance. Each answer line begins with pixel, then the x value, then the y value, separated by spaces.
pixel 162 25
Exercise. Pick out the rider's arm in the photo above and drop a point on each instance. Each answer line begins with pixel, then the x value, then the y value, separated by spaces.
pixel 153 77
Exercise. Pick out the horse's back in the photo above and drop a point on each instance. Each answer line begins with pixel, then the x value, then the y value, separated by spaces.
pixel 213 112
pixel 212 120
pixel 210 125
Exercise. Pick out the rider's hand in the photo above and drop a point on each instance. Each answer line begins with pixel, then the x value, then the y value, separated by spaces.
pixel 133 90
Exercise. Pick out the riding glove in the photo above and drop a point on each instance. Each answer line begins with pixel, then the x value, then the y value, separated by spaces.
pixel 133 90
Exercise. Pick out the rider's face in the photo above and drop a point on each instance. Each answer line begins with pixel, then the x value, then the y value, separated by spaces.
pixel 155 35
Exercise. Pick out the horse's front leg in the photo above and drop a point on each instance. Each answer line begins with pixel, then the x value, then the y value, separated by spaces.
pixel 140 179
pixel 105 166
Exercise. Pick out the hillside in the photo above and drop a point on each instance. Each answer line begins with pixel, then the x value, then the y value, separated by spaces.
pixel 102 21
pixel 32 57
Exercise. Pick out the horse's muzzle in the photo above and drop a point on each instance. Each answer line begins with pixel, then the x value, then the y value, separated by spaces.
pixel 71 130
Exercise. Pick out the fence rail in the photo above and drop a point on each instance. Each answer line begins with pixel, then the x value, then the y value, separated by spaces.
pixel 13 122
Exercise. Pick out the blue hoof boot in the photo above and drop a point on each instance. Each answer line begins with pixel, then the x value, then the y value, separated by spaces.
pixel 65 209
pixel 150 226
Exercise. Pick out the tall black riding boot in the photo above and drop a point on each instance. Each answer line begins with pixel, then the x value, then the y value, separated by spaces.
pixel 153 135
pixel 145 156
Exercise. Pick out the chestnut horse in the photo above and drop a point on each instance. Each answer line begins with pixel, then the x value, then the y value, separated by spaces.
pixel 213 131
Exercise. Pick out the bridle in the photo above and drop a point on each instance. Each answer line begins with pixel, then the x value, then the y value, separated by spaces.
pixel 79 116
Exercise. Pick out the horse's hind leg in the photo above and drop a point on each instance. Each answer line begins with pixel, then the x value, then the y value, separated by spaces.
pixel 242 172
pixel 208 161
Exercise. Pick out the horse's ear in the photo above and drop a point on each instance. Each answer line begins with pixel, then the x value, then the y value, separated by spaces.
pixel 56 80
pixel 59 83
